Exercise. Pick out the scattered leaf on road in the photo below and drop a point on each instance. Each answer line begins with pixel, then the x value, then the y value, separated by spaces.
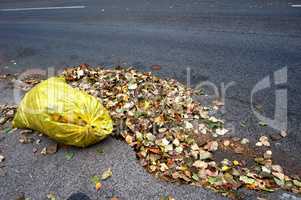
pixel 106 174
pixel 283 133
pixel 99 150
pixel 2 158
pixel 95 179
pixel 51 149
pixel 69 155
pixel 51 196
pixel 7 130
pixel 44 151
pixel 263 124
pixel 98 186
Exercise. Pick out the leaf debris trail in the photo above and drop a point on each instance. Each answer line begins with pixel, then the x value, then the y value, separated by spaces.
pixel 162 122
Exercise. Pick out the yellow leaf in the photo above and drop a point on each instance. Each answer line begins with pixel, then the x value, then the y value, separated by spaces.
pixel 98 186
pixel 235 162
pixel 225 168
pixel 106 174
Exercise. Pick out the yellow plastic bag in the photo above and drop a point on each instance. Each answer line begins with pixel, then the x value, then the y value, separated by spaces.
pixel 63 113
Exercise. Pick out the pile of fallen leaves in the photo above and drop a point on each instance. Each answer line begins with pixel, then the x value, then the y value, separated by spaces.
pixel 175 137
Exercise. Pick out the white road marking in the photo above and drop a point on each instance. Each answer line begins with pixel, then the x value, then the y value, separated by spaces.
pixel 296 6
pixel 43 8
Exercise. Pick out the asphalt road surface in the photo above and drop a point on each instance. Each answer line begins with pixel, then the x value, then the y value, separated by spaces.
pixel 239 41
